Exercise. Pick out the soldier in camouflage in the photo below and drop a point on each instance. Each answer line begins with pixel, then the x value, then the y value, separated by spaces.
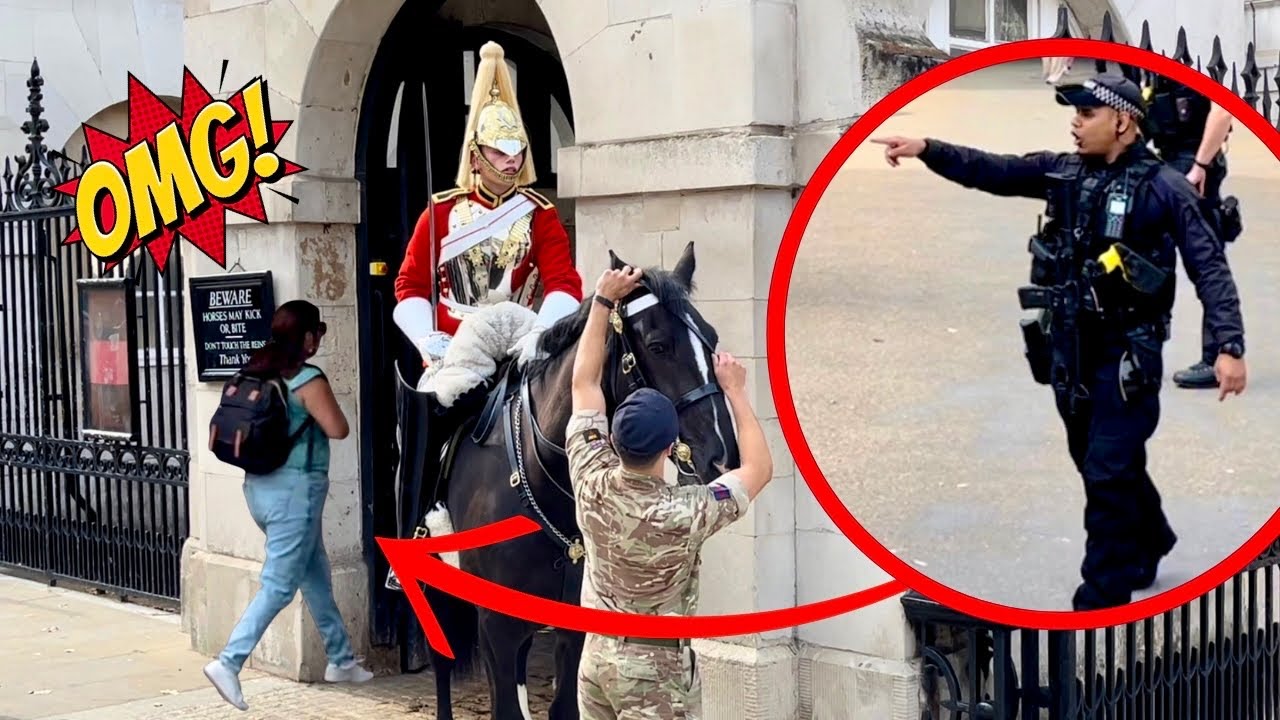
pixel 643 536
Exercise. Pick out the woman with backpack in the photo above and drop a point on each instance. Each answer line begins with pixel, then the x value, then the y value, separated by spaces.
pixel 286 502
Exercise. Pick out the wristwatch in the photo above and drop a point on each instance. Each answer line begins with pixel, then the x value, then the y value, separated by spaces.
pixel 605 301
pixel 1206 166
pixel 1233 349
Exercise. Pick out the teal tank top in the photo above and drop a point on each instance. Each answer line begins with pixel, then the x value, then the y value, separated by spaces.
pixel 297 415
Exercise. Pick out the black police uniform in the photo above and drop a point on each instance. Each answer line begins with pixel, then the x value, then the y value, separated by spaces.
pixel 1175 124
pixel 1127 530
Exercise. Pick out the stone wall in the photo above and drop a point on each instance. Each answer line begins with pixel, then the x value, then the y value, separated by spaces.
pixel 315 65
pixel 726 112
pixel 86 51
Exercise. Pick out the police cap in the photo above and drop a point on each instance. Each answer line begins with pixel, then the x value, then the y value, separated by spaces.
pixel 1104 90
pixel 645 423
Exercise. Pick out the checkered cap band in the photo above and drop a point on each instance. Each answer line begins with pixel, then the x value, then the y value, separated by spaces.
pixel 1113 99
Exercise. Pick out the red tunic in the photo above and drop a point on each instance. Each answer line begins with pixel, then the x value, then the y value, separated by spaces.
pixel 548 252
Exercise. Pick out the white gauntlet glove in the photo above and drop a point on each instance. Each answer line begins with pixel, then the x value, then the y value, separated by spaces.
pixel 526 348
pixel 555 306
pixel 433 346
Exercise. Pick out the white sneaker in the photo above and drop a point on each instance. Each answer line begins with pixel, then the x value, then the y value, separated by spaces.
pixel 349 672
pixel 226 682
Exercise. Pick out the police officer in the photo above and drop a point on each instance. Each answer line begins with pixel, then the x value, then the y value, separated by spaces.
pixel 643 536
pixel 1188 131
pixel 1107 373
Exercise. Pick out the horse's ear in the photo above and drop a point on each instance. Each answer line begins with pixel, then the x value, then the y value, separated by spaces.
pixel 615 263
pixel 684 268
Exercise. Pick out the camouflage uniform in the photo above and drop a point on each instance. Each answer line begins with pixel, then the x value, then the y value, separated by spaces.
pixel 643 539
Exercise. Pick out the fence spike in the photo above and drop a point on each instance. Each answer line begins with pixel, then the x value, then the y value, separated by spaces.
pixel 1217 66
pixel 1266 98
pixel 1145 43
pixel 1235 87
pixel 1107 35
pixel 1064 22
pixel 6 189
pixel 1181 53
pixel 1277 81
pixel 1250 76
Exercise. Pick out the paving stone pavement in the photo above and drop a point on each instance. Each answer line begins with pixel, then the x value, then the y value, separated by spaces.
pixel 72 655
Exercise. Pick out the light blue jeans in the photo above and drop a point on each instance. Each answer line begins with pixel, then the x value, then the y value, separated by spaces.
pixel 288 505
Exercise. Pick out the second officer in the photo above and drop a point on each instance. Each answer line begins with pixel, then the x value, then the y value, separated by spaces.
pixel 1189 132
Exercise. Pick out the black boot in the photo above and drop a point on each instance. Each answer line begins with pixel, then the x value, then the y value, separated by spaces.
pixel 1145 575
pixel 1090 597
pixel 1200 375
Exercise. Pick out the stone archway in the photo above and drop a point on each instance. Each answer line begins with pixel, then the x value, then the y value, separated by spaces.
pixel 409 133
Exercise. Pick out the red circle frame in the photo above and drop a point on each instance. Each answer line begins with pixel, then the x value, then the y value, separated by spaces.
pixel 775 333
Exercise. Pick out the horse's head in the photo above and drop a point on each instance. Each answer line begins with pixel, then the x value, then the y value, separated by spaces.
pixel 662 342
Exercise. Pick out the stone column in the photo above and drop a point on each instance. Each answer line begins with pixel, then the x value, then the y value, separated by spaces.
pixel 310 250
pixel 690 145
pixel 850 54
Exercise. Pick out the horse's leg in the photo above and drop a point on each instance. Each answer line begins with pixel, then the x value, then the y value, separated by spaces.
pixel 522 676
pixel 442 668
pixel 505 638
pixel 564 706
pixel 486 655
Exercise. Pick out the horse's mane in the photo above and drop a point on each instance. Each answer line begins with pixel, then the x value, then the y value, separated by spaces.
pixel 564 334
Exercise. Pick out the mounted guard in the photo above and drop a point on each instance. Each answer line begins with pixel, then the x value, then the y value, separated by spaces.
pixel 465 300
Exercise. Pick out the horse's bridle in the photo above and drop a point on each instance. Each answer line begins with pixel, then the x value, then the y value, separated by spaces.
pixel 680 454
pixel 626 362
pixel 520 411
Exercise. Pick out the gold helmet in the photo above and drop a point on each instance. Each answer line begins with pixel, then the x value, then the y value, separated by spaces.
pixel 494 120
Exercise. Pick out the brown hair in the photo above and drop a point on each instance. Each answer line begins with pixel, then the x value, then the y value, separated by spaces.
pixel 285 350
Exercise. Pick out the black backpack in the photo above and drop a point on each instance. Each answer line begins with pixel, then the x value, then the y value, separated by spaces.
pixel 250 428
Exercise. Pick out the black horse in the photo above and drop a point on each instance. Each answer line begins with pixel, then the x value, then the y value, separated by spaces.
pixel 657 339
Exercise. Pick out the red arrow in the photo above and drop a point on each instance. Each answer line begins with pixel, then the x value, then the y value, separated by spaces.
pixel 411 561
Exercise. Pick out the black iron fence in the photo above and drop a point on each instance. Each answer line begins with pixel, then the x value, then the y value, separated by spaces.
pixel 1249 81
pixel 93 458
pixel 1214 658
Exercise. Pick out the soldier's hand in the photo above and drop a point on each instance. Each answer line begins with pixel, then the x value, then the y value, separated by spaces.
pixel 1231 375
pixel 730 373
pixel 900 147
pixel 616 284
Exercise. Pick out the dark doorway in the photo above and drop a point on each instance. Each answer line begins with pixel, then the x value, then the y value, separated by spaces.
pixel 424 61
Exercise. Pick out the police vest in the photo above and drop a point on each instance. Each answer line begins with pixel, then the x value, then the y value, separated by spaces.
pixel 1093 191
pixel 1176 118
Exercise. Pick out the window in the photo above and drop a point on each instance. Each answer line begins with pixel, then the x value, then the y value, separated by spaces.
pixel 978 23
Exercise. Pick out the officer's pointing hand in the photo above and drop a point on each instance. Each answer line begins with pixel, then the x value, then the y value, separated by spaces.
pixel 898 147
pixel 1231 375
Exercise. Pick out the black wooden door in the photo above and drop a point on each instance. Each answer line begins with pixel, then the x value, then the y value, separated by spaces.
pixel 424 61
